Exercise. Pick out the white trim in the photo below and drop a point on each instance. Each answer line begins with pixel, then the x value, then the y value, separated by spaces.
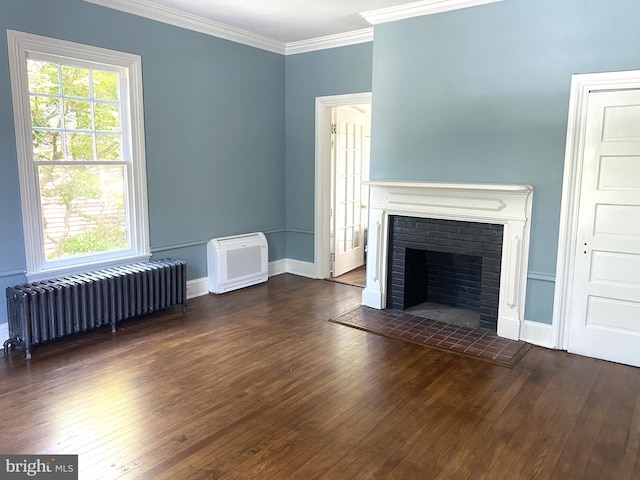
pixel 581 86
pixel 418 9
pixel 540 334
pixel 197 287
pixel 196 23
pixel 330 41
pixel 277 267
pixel 300 268
pixel 177 18
pixel 541 277
pixel 200 286
pixel 20 44
pixel 509 205
pixel 322 203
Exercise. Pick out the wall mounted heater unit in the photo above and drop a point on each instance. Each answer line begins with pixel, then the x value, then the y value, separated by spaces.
pixel 237 262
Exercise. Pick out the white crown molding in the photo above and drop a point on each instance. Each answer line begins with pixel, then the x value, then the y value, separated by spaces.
pixel 177 18
pixel 418 9
pixel 171 16
pixel 330 41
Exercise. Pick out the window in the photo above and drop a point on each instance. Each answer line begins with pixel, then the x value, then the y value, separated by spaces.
pixel 81 159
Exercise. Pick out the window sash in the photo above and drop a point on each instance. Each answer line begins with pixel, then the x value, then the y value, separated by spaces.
pixel 23 46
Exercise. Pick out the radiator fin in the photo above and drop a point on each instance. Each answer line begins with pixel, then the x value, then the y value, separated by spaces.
pixel 41 311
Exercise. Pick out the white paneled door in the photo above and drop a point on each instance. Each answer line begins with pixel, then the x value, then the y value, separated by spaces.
pixel 605 303
pixel 349 144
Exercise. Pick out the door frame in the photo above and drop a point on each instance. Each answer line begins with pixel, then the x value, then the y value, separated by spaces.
pixel 322 207
pixel 581 86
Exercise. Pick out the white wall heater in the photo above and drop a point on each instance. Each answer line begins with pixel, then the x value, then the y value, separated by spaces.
pixel 237 262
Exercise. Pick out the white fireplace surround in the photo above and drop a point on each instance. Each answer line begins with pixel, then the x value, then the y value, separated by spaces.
pixel 508 205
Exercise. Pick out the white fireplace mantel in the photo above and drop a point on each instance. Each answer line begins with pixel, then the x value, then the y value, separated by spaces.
pixel 509 205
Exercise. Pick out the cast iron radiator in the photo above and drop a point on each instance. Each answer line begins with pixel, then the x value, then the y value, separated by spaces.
pixel 46 310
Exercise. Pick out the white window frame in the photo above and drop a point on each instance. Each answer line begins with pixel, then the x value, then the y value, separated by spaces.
pixel 20 45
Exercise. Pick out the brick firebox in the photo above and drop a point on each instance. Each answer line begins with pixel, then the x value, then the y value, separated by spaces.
pixel 450 262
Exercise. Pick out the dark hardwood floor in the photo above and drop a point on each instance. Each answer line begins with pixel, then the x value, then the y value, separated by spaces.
pixel 258 384
pixel 357 277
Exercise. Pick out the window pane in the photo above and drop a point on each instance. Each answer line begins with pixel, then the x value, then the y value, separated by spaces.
pixel 47 146
pixel 342 232
pixel 45 111
pixel 108 147
pixel 77 115
pixel 349 243
pixel 105 85
pixel 43 77
pixel 83 210
pixel 351 159
pixel 75 152
pixel 75 82
pixel 107 117
pixel 343 135
pixel 79 146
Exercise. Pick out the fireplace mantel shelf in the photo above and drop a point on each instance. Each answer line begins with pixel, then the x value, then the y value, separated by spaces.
pixel 487 187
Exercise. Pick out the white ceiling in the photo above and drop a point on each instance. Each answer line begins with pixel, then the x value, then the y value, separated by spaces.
pixel 285 21
pixel 285 26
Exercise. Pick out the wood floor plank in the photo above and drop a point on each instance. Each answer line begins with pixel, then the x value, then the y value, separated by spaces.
pixel 516 428
pixel 257 384
pixel 626 434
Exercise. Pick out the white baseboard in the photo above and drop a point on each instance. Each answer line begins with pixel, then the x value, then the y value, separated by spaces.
pixel 197 287
pixel 302 269
pixel 278 267
pixel 540 334
pixel 508 328
pixel 200 286
pixel 371 298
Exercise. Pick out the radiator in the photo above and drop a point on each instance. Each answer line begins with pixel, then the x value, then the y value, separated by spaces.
pixel 237 262
pixel 41 311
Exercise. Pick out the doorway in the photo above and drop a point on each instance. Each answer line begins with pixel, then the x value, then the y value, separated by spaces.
pixel 597 311
pixel 328 191
pixel 350 143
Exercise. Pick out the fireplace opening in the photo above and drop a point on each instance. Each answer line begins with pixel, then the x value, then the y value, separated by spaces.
pixel 450 279
pixel 445 270
pixel 443 286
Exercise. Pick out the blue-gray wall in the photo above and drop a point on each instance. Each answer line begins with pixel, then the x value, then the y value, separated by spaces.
pixel 475 95
pixel 214 125
pixel 481 95
pixel 309 75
